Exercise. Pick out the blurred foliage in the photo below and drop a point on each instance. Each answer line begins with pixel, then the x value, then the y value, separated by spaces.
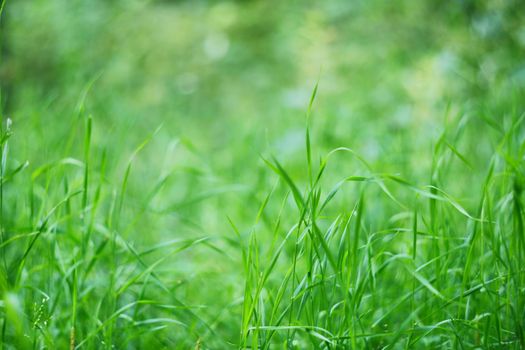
pixel 229 81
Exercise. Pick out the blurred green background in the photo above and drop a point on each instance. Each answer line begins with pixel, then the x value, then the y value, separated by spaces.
pixel 228 82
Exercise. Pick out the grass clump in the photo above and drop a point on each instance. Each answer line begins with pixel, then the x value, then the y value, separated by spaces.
pixel 434 274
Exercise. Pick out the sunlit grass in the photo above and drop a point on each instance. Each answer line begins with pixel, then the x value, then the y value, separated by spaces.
pixel 173 177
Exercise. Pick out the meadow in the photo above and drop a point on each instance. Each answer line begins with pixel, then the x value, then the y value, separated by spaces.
pixel 262 174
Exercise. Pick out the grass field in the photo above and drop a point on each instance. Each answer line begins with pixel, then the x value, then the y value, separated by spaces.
pixel 262 174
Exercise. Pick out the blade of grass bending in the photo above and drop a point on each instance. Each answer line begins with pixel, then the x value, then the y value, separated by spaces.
pixel 41 229
pixel 279 170
pixel 127 173
pixel 14 172
pixel 150 268
pixel 308 143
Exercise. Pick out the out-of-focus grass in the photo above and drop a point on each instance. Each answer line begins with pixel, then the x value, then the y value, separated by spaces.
pixel 159 188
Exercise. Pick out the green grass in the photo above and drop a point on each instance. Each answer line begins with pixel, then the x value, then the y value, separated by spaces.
pixel 162 189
